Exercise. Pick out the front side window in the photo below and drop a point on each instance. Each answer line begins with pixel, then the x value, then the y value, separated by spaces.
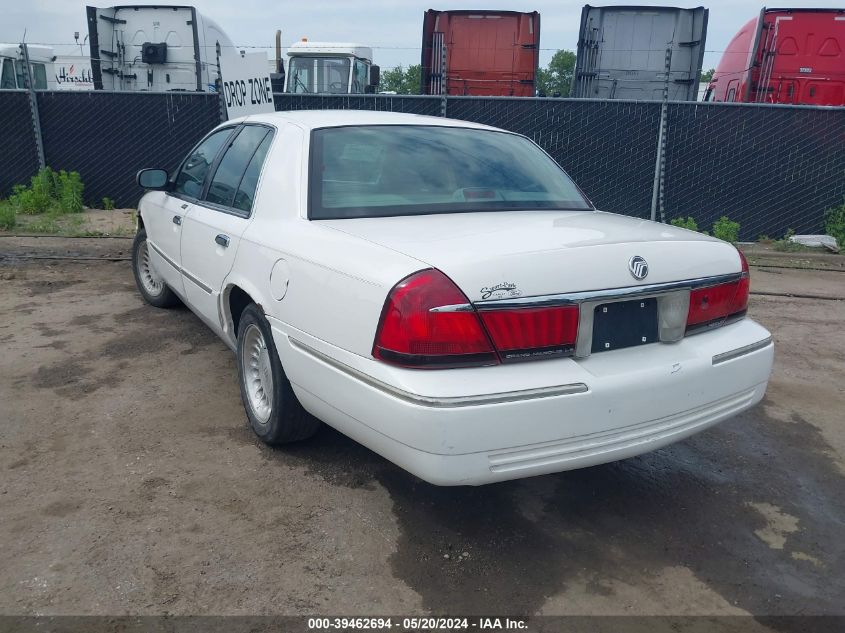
pixel 318 74
pixel 189 181
pixel 224 185
pixel 7 79
pixel 360 79
pixel 387 170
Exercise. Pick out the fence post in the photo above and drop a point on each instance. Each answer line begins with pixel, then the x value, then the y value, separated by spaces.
pixel 221 98
pixel 444 89
pixel 33 107
pixel 660 160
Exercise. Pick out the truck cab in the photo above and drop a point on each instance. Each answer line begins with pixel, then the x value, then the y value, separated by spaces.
pixel 329 67
pixel 12 69
pixel 786 56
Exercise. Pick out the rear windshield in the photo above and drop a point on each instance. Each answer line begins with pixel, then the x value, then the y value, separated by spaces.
pixel 388 170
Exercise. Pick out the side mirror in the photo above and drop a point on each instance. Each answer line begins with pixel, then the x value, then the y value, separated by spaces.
pixel 155 179
pixel 375 75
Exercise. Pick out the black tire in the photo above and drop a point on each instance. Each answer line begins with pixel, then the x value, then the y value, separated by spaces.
pixel 164 297
pixel 287 421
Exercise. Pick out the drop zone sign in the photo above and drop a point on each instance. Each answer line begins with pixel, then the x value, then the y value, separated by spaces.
pixel 246 84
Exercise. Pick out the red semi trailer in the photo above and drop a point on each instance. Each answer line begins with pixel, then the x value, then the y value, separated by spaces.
pixel 792 56
pixel 483 53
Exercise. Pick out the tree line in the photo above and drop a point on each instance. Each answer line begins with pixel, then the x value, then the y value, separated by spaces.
pixel 552 81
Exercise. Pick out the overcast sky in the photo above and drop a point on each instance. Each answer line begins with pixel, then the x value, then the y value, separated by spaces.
pixel 393 29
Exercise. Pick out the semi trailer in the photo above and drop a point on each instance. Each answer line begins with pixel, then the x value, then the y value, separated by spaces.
pixel 154 47
pixel 636 52
pixel 481 53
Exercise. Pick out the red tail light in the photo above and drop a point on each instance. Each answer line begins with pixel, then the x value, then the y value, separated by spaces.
pixel 411 334
pixel 710 306
pixel 532 332
pixel 428 322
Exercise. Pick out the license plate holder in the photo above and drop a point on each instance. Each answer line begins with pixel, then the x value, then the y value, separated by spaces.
pixel 621 324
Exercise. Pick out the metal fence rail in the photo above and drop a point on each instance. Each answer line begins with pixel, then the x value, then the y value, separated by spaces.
pixel 771 168
pixel 410 104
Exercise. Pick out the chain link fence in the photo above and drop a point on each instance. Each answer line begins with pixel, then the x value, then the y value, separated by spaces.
pixel 771 168
pixel 108 137
pixel 18 148
pixel 608 147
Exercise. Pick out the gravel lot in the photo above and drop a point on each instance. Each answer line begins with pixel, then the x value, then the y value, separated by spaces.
pixel 131 484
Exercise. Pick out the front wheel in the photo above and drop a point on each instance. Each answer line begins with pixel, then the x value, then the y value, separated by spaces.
pixel 149 282
pixel 271 406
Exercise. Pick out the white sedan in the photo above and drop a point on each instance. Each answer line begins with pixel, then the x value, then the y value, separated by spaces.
pixel 444 294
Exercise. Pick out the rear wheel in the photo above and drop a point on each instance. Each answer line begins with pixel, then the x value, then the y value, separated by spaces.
pixel 271 406
pixel 149 282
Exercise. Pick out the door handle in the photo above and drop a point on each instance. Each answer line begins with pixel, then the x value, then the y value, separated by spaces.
pixel 223 240
pixel 185 206
pixel 177 220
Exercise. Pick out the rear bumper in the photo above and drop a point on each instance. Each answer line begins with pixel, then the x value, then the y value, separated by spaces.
pixel 475 426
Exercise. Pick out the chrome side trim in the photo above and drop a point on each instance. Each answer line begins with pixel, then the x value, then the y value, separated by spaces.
pixel 163 256
pixel 197 282
pixel 188 275
pixel 742 351
pixel 626 292
pixel 447 402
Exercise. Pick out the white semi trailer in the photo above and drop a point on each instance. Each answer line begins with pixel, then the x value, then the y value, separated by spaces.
pixel 154 47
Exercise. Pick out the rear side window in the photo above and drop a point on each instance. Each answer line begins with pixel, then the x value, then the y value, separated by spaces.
pixel 191 176
pixel 233 167
pixel 246 190
pixel 39 76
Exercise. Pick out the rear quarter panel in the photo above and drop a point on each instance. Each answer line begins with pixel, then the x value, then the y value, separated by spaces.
pixel 326 285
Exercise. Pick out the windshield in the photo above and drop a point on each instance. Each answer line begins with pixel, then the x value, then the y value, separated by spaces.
pixel 387 170
pixel 318 74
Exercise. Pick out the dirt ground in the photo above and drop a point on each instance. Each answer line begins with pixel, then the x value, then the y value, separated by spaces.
pixel 131 484
pixel 90 222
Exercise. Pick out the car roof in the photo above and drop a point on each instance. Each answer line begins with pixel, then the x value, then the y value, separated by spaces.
pixel 311 119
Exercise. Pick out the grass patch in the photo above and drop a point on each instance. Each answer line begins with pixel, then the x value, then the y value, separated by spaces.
pixel 8 216
pixel 834 224
pixel 726 229
pixel 49 192
pixel 685 223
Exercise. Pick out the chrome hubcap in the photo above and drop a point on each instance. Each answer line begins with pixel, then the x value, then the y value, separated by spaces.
pixel 257 373
pixel 150 279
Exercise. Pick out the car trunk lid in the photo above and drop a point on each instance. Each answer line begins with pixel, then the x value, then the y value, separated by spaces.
pixel 535 253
